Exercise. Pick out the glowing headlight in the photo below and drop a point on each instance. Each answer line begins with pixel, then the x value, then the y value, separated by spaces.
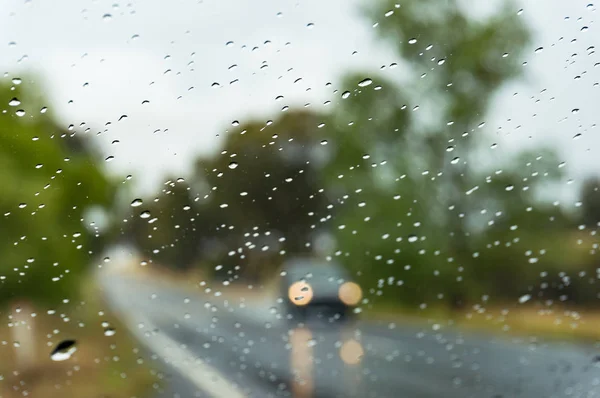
pixel 300 293
pixel 350 293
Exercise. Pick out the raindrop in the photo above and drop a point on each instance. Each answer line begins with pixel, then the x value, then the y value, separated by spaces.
pixel 107 17
pixel 44 110
pixel 441 61
pixel 145 214
pixel 63 350
pixel 20 113
pixel 136 203
pixel 14 102
pixel 524 298
pixel 123 117
pixel 584 29
pixel 575 111
pixel 109 331
pixel 215 84
pixel 366 82
pixel 310 25
pixel 16 81
pixel 109 158
pixel 345 94
pixel 412 41
pixel 539 50
pixel 412 238
pixel 233 165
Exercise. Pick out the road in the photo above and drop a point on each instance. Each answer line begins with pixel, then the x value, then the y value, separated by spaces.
pixel 228 348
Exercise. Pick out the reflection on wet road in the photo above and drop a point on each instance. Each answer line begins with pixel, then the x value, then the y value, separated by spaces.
pixel 230 349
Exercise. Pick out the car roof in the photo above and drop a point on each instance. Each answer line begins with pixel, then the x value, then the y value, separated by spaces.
pixel 298 268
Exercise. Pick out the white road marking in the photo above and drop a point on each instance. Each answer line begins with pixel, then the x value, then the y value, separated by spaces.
pixel 203 376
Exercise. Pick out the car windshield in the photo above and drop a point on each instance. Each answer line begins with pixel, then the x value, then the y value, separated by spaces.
pixel 299 198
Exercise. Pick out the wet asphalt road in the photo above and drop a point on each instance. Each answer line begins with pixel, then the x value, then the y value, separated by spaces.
pixel 213 347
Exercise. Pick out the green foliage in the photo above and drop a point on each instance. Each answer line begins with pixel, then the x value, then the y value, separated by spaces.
pixel 393 176
pixel 48 179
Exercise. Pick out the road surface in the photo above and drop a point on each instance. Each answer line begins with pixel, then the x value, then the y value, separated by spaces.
pixel 231 348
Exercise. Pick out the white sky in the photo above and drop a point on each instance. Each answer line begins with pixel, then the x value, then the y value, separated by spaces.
pixel 70 43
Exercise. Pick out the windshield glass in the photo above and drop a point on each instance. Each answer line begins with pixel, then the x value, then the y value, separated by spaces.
pixel 364 198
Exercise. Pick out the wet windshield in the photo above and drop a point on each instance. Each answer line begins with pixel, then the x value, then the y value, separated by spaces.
pixel 306 199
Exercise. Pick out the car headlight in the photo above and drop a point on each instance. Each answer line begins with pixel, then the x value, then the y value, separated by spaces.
pixel 350 293
pixel 300 293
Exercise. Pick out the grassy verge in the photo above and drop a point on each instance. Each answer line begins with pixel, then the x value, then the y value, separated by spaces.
pixel 524 321
pixel 103 366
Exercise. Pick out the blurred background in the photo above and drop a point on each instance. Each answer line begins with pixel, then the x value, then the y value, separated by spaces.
pixel 444 153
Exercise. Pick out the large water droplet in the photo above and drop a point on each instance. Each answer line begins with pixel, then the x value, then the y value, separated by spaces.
pixel 366 82
pixel 345 94
pixel 145 214
pixel 20 113
pixel 233 165
pixel 14 102
pixel 109 331
pixel 136 202
pixel 524 298
pixel 412 238
pixel 63 350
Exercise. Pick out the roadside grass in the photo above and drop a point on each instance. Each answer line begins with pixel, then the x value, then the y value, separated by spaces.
pixel 517 321
pixel 103 366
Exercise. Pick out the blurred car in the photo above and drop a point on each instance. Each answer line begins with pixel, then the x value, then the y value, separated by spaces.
pixel 315 289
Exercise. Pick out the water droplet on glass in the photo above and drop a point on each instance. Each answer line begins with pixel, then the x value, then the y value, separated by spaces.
pixel 412 238
pixel 441 61
pixel 575 111
pixel 310 25
pixel 345 94
pixel 412 41
pixel 44 110
pixel 16 81
pixel 229 44
pixel 63 350
pixel 14 102
pixel 539 49
pixel 136 203
pixel 366 82
pixel 20 113
pixel 524 298
pixel 109 331
pixel 107 17
pixel 145 214
pixel 233 165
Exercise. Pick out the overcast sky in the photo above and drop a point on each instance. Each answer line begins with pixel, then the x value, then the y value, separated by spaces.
pixel 108 58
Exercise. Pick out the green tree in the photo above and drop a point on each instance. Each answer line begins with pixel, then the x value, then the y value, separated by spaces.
pixel 49 178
